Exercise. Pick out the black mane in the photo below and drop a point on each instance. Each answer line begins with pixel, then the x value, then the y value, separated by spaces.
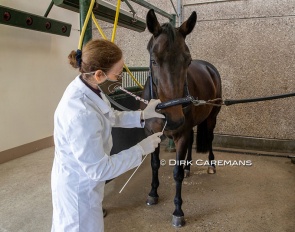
pixel 168 29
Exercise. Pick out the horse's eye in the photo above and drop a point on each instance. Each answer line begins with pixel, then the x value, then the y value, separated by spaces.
pixel 154 62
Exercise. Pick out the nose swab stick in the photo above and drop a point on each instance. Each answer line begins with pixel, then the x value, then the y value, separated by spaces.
pixel 164 126
pixel 139 164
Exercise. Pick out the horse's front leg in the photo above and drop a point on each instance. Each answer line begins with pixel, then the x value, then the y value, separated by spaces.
pixel 178 174
pixel 155 163
pixel 187 166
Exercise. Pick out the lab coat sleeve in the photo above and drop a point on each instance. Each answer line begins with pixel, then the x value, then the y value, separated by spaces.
pixel 128 119
pixel 86 142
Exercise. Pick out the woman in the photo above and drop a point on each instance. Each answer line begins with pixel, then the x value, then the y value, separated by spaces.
pixel 82 135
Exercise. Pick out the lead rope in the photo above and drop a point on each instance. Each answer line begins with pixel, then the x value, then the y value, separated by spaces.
pixel 195 102
pixel 133 95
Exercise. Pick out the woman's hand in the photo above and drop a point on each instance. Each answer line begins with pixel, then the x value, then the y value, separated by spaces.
pixel 150 143
pixel 150 110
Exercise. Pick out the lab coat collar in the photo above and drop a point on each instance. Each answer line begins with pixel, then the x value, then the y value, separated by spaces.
pixel 103 106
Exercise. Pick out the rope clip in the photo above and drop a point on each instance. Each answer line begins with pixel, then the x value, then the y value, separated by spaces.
pixel 197 102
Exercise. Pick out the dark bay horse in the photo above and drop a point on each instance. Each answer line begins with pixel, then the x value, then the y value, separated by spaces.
pixel 175 75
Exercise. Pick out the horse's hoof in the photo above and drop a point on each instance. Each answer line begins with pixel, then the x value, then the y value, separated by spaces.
pixel 178 221
pixel 186 173
pixel 211 170
pixel 152 200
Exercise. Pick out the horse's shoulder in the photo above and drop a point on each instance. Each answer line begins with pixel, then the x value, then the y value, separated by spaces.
pixel 198 65
pixel 202 64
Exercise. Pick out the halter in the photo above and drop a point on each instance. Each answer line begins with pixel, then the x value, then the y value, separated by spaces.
pixel 185 101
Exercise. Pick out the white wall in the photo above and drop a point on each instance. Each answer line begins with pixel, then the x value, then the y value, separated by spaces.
pixel 251 42
pixel 34 72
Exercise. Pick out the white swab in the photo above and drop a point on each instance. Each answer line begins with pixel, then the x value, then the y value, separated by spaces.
pixel 139 164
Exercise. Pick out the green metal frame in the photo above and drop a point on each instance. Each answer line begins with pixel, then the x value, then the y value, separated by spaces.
pixel 106 12
pixel 84 6
pixel 137 69
pixel 49 9
pixel 156 9
pixel 17 18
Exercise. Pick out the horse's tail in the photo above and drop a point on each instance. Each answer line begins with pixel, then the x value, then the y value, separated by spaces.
pixel 203 142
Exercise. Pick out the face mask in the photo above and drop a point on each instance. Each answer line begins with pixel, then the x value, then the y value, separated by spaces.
pixel 109 86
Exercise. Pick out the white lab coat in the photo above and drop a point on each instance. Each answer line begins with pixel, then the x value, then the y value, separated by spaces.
pixel 82 162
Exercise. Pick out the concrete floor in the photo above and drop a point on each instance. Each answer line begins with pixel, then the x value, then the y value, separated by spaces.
pixel 237 198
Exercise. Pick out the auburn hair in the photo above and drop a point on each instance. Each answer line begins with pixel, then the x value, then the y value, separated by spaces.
pixel 96 54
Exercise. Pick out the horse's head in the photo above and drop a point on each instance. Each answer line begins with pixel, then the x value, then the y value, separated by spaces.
pixel 170 58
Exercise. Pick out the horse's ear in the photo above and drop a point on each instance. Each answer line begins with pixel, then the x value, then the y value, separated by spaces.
pixel 152 23
pixel 188 25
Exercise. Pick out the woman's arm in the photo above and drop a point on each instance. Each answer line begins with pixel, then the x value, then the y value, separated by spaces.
pixel 128 119
pixel 86 142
